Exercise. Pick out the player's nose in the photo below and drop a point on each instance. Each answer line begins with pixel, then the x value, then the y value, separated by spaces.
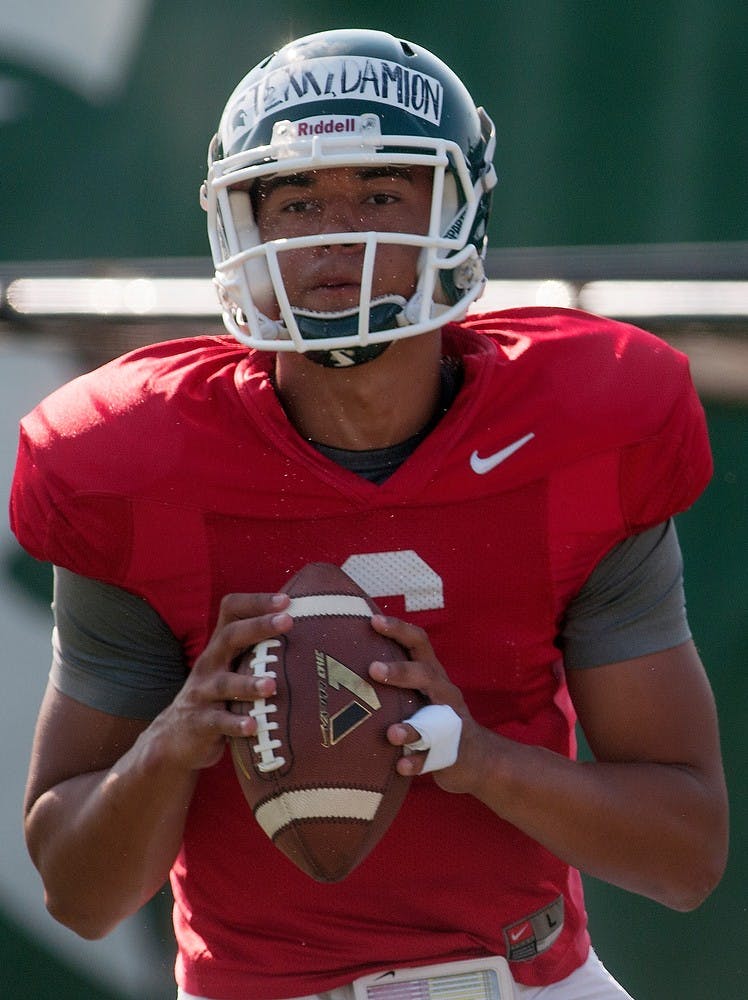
pixel 342 217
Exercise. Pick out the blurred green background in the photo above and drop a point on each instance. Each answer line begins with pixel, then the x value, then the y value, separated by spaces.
pixel 618 122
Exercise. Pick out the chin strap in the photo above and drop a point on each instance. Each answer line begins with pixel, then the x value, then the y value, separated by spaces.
pixel 347 357
pixel 383 315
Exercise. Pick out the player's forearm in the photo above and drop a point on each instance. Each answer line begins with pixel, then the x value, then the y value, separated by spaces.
pixel 104 842
pixel 655 829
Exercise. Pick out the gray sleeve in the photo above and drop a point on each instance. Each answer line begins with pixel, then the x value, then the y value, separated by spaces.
pixel 632 604
pixel 111 650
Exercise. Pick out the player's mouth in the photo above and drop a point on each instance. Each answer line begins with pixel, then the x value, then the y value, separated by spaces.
pixel 333 294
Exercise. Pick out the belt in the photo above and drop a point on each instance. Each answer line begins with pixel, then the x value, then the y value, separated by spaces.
pixel 479 979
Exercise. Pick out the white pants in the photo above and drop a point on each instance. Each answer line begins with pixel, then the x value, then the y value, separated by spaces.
pixel 590 981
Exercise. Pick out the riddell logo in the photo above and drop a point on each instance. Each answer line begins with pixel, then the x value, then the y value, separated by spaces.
pixel 325 126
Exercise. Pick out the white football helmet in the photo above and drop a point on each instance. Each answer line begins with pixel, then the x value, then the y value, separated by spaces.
pixel 342 99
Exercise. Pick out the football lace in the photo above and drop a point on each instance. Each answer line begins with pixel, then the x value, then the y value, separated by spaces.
pixel 265 745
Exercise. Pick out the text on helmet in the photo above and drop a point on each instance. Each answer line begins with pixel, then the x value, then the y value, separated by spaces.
pixel 336 78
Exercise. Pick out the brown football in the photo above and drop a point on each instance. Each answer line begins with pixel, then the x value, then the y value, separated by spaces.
pixel 320 774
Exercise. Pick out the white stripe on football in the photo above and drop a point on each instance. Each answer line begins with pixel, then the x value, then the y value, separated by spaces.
pixel 321 605
pixel 317 803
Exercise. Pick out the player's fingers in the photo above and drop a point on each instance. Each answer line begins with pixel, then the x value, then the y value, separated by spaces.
pixel 427 676
pixel 204 694
pixel 420 759
pixel 212 730
pixel 421 670
pixel 402 673
pixel 440 731
pixel 234 687
pixel 410 637
pixel 411 765
pixel 195 731
pixel 400 734
pixel 238 607
pixel 234 635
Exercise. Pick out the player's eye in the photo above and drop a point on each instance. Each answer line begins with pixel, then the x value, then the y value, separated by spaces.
pixel 300 206
pixel 382 198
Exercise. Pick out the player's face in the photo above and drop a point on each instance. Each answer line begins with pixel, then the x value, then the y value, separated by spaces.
pixel 345 199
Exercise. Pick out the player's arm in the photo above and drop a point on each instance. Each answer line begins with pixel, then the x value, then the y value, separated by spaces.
pixel 107 795
pixel 90 790
pixel 652 727
pixel 650 814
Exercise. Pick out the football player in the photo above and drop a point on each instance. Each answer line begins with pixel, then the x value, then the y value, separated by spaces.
pixel 503 484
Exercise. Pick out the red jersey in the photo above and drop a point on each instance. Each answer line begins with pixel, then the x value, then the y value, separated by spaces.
pixel 173 472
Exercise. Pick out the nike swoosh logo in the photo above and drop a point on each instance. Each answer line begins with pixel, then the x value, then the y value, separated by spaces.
pixel 483 465
pixel 519 932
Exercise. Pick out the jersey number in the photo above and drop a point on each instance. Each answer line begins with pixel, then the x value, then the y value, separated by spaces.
pixel 385 574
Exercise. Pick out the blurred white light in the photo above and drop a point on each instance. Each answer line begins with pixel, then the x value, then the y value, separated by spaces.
pixel 174 297
pixel 139 296
pixel 101 295
pixel 113 297
pixel 665 298
pixel 555 293
pixel 513 294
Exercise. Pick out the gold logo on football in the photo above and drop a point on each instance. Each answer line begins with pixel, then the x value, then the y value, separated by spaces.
pixel 333 673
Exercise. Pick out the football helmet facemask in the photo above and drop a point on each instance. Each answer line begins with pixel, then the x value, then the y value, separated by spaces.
pixel 349 98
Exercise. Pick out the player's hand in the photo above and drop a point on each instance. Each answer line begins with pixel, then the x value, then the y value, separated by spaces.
pixel 194 727
pixel 423 672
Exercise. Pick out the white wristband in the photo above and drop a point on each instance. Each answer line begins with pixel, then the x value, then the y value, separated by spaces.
pixel 440 728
